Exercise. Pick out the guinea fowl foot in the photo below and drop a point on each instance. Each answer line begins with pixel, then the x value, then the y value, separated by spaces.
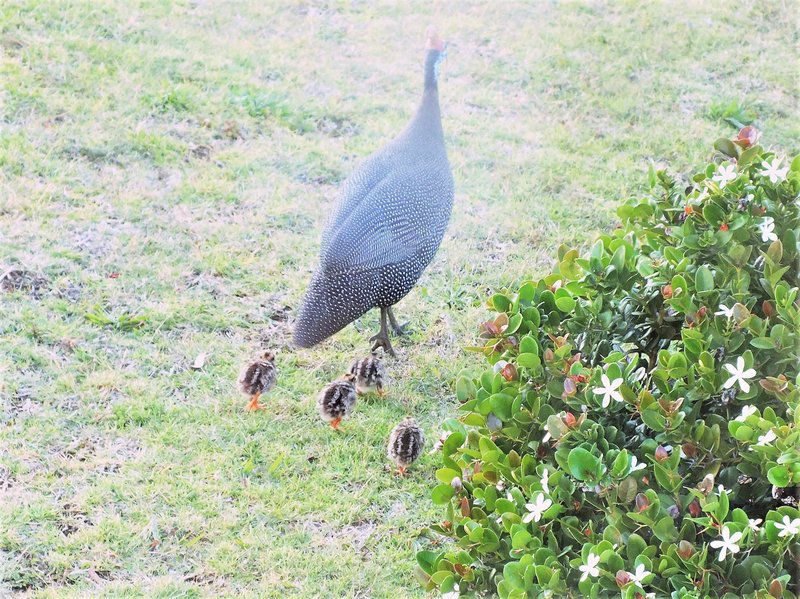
pixel 401 330
pixel 254 406
pixel 335 424
pixel 382 340
pixel 401 471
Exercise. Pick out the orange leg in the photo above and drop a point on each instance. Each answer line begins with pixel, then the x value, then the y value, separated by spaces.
pixel 335 423
pixel 382 392
pixel 402 470
pixel 254 405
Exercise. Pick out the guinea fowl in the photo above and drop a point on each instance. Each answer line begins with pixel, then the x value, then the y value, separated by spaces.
pixel 370 375
pixel 388 224
pixel 337 400
pixel 257 378
pixel 405 444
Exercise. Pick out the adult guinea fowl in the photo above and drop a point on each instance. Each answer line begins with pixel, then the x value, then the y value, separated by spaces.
pixel 388 224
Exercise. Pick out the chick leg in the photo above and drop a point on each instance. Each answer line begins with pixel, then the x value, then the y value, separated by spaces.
pixel 335 423
pixel 382 338
pixel 401 470
pixel 254 405
pixel 397 328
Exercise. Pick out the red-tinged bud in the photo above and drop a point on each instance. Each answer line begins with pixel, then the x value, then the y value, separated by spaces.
pixel 465 509
pixel 570 420
pixel 587 531
pixel 662 454
pixel 688 209
pixel 685 549
pixel 622 578
pixel 642 502
pixel 748 136
pixel 768 308
pixel 509 372
pixel 666 291
pixel 549 355
pixel 701 313
pixel 776 589
pixel 694 508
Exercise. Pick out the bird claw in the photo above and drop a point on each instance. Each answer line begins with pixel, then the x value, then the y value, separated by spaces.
pixel 382 340
pixel 401 330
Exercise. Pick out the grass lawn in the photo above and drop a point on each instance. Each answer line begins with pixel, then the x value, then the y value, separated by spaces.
pixel 165 172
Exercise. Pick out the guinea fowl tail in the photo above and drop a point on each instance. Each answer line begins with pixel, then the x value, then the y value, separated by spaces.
pixel 331 303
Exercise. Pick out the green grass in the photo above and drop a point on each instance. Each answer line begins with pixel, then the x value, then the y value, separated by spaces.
pixel 167 169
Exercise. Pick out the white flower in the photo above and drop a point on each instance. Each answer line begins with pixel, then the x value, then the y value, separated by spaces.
pixel 703 195
pixel 639 575
pixel 635 465
pixel 727 544
pixel 724 175
pixel 789 527
pixel 454 594
pixel 767 229
pixel 773 172
pixel 721 489
pixel 545 486
pixel 546 437
pixel 738 375
pixel 767 438
pixel 753 524
pixel 539 506
pixel 590 569
pixel 747 411
pixel 609 390
pixel 724 311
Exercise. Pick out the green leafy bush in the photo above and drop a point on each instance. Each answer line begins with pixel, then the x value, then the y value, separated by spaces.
pixel 636 429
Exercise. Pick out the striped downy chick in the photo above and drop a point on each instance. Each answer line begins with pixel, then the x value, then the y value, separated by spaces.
pixel 405 444
pixel 337 400
pixel 370 374
pixel 257 378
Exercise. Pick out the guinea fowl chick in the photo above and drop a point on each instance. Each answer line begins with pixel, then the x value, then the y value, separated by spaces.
pixel 258 377
pixel 337 400
pixel 370 374
pixel 405 444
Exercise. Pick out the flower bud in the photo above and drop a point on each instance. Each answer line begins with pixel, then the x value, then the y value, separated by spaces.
pixel 694 508
pixel 509 372
pixel 685 549
pixel 549 355
pixel 748 136
pixel 768 308
pixel 661 454
pixel 570 388
pixel 456 484
pixel 569 419
pixel 642 502
pixel 674 511
pixel 666 291
pixel 622 578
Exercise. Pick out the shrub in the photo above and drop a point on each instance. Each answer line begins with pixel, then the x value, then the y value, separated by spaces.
pixel 636 429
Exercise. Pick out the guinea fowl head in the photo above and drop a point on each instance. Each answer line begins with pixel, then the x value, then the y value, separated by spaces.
pixel 434 56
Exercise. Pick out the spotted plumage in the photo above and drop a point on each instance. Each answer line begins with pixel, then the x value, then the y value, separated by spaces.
pixel 370 375
pixel 390 219
pixel 257 378
pixel 337 400
pixel 405 444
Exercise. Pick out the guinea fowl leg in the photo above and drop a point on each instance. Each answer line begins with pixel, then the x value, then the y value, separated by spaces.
pixel 396 326
pixel 254 405
pixel 382 338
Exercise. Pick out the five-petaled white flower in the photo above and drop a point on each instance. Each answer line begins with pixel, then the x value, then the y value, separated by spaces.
pixel 545 486
pixel 454 594
pixel 773 171
pixel 635 465
pixel 753 523
pixel 727 544
pixel 724 311
pixel 724 175
pixel 590 569
pixel 609 390
pixel 639 575
pixel 747 411
pixel 788 527
pixel 535 510
pixel 738 375
pixel 767 438
pixel 767 228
